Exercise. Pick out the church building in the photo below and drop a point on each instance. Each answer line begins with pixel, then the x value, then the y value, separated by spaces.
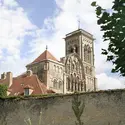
pixel 73 73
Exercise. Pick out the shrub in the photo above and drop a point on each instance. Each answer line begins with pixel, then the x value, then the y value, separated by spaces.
pixel 3 90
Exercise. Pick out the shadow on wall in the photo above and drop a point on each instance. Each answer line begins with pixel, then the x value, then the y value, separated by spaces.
pixel 78 107
pixel 29 122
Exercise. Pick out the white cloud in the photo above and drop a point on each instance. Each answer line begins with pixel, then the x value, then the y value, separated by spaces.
pixel 1 54
pixel 108 82
pixel 10 3
pixel 14 25
pixel 100 60
pixel 15 64
pixel 65 21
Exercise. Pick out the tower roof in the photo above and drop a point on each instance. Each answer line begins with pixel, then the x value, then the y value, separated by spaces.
pixel 44 56
pixel 80 31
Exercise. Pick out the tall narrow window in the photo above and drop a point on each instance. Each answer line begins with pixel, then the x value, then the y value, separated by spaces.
pixel 75 85
pixel 68 84
pixel 54 68
pixel 81 86
pixel 77 82
pixel 90 71
pixel 55 83
pixel 78 86
pixel 85 53
pixel 26 91
pixel 72 79
pixel 76 49
pixel 57 68
pixel 60 69
pixel 89 54
pixel 71 50
pixel 60 85
pixel 73 66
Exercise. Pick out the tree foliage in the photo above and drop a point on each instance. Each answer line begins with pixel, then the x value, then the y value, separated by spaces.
pixel 112 23
pixel 3 90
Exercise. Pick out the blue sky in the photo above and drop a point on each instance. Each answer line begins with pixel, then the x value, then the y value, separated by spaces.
pixel 27 26
pixel 38 10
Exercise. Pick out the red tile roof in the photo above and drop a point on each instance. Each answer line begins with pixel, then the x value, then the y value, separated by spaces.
pixel 44 56
pixel 28 87
pixel 21 82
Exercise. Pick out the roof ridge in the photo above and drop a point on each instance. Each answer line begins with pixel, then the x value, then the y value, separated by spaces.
pixel 38 81
pixel 44 56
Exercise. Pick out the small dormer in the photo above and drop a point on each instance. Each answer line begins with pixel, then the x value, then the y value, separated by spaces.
pixel 28 90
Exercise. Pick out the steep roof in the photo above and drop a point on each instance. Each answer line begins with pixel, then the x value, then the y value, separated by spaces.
pixel 44 56
pixel 32 82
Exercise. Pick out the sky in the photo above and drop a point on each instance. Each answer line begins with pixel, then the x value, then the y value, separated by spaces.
pixel 27 26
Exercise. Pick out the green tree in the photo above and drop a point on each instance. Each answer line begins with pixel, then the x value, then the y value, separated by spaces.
pixel 112 23
pixel 3 90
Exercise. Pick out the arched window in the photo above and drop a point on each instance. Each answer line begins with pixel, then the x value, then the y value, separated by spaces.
pixel 72 80
pixel 73 66
pixel 54 67
pixel 57 68
pixel 85 53
pixel 89 54
pixel 60 85
pixel 81 86
pixel 68 83
pixel 60 69
pixel 71 50
pixel 70 64
pixel 69 61
pixel 85 87
pixel 76 49
pixel 77 70
pixel 76 84
pixel 55 83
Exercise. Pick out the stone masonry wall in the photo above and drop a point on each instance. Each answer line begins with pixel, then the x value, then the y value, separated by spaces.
pixel 95 108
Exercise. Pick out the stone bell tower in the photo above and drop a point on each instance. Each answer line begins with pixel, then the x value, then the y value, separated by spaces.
pixel 82 42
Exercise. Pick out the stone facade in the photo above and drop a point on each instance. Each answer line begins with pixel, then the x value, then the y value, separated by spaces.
pixel 81 43
pixel 99 108
pixel 75 71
